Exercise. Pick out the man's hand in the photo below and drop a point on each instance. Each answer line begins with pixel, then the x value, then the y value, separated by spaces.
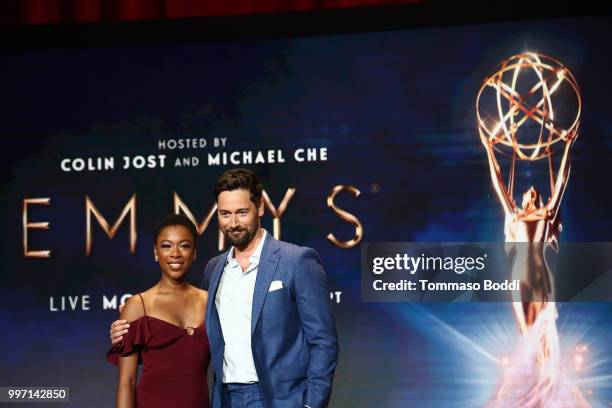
pixel 118 329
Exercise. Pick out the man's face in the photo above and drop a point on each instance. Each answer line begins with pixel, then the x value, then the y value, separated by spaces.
pixel 238 217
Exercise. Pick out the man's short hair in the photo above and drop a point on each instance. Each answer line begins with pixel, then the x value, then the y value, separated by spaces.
pixel 240 179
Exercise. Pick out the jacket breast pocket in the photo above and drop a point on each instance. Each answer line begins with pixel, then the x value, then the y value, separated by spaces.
pixel 275 298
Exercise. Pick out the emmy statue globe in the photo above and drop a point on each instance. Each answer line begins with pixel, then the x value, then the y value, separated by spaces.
pixel 528 114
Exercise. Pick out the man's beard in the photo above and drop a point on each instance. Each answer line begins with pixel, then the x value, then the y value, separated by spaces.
pixel 242 239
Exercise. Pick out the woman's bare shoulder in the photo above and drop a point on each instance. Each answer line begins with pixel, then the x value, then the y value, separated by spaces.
pixel 137 305
pixel 133 309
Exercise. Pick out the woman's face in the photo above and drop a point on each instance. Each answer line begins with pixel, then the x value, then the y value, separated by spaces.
pixel 175 251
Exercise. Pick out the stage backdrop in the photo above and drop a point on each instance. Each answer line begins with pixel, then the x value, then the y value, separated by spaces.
pixel 371 133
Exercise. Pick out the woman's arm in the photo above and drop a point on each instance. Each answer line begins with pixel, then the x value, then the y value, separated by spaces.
pixel 561 181
pixel 128 365
pixel 496 178
pixel 126 387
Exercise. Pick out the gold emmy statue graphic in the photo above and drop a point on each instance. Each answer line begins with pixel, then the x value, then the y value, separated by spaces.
pixel 528 115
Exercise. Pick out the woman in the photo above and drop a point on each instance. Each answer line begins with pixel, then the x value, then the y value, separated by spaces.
pixel 167 332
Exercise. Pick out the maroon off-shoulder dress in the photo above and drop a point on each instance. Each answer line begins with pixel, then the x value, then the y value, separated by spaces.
pixel 174 363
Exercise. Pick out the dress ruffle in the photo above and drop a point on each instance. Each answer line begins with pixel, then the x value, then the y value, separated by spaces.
pixel 136 339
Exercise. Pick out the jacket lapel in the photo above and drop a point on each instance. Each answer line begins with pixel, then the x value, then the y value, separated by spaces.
pixel 214 281
pixel 265 273
pixel 213 325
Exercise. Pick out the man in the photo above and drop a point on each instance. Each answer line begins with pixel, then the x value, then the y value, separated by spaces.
pixel 272 335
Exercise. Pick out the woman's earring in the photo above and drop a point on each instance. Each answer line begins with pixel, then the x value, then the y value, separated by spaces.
pixel 156 258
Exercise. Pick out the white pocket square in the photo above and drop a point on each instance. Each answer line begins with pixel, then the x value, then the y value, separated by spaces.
pixel 275 285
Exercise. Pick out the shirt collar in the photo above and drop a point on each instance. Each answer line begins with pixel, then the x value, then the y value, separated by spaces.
pixel 254 258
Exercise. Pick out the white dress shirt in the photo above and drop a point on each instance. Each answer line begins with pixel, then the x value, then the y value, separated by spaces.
pixel 234 303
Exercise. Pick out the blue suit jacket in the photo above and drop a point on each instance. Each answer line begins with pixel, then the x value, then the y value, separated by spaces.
pixel 293 335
